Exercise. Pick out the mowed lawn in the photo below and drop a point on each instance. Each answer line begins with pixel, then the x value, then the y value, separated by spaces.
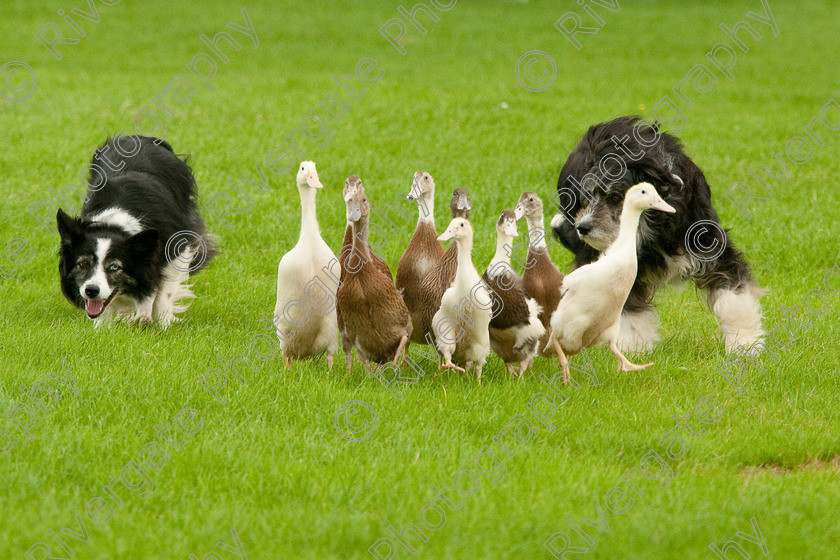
pixel 270 461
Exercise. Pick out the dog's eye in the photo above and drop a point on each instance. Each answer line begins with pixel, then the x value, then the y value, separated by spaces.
pixel 614 198
pixel 114 267
pixel 84 265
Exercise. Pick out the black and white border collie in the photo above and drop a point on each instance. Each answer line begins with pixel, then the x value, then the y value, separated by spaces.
pixel 139 236
pixel 689 245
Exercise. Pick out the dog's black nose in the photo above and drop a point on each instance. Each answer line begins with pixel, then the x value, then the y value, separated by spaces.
pixel 583 228
pixel 91 291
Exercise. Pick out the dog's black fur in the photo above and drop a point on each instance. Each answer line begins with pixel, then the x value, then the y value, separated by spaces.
pixel 154 187
pixel 592 216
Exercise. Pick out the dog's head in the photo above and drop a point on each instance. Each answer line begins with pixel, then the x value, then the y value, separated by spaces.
pixel 610 159
pixel 99 262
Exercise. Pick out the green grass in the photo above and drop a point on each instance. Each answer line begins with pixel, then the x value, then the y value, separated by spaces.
pixel 270 461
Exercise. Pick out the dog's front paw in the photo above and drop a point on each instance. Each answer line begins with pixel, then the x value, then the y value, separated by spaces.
pixel 750 345
pixel 166 319
pixel 739 315
pixel 142 316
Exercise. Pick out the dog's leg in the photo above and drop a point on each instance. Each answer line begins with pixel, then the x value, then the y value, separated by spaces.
pixel 638 329
pixel 144 310
pixel 733 297
pixel 173 290
pixel 739 316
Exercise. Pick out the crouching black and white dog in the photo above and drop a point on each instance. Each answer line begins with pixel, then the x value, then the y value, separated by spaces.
pixel 688 245
pixel 139 236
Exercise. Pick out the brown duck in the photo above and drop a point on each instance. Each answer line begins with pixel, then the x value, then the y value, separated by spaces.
pixel 352 187
pixel 423 252
pixel 515 327
pixel 375 317
pixel 541 279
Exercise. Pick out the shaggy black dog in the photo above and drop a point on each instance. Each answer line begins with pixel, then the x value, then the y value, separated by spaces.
pixel 689 245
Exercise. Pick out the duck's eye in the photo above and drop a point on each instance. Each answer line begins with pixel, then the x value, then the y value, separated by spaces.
pixel 530 200
pixel 644 192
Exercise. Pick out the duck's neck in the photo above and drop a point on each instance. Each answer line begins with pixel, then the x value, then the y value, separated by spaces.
pixel 426 208
pixel 628 226
pixel 308 218
pixel 465 265
pixel 503 248
pixel 536 232
pixel 360 236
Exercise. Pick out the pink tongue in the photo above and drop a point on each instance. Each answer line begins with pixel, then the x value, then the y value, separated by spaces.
pixel 94 306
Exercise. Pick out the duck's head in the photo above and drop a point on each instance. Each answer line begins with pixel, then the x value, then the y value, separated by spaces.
pixel 307 176
pixel 351 185
pixel 506 226
pixel 529 205
pixel 460 204
pixel 643 196
pixel 459 228
pixel 421 184
pixel 358 207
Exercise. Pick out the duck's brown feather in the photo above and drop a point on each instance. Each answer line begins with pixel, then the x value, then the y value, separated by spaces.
pixel 510 303
pixel 434 285
pixel 375 317
pixel 421 256
pixel 542 281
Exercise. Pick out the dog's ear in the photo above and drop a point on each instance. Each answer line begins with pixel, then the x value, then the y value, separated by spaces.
pixel 144 244
pixel 678 182
pixel 69 228
pixel 668 181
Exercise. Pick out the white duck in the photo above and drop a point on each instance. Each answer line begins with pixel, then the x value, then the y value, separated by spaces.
pixel 593 295
pixel 461 325
pixel 306 331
